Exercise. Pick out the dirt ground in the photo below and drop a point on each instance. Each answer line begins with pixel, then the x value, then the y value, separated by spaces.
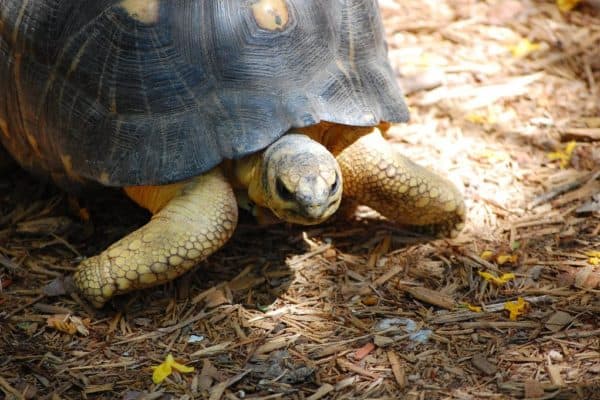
pixel 505 101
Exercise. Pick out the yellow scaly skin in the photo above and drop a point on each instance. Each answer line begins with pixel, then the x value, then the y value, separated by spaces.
pixel 180 234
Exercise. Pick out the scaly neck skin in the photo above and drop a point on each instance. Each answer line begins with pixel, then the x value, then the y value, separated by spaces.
pixel 246 175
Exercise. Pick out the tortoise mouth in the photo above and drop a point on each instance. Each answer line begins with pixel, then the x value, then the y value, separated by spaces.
pixel 308 215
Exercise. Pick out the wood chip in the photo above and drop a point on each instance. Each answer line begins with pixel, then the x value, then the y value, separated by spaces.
pixel 504 104
pixel 395 270
pixel 431 297
pixel 558 321
pixel 364 351
pixel 212 350
pixel 9 389
pixel 591 134
pixel 321 392
pixel 275 344
pixel 349 366
pixel 554 373
pixel 397 369
pixel 217 391
pixel 90 389
pixel 216 298
pixel 533 389
pixel 483 364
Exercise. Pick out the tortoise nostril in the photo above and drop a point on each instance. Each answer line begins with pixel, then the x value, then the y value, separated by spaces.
pixel 335 185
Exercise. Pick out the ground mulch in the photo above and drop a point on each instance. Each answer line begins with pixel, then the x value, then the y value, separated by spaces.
pixel 505 101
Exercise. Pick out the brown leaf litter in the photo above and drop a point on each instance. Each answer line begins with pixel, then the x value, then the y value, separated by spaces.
pixel 360 308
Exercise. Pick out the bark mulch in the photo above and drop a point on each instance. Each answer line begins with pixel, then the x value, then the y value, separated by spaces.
pixel 505 101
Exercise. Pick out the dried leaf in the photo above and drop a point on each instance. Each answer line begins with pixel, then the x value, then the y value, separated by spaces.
pixel 61 324
pixel 69 324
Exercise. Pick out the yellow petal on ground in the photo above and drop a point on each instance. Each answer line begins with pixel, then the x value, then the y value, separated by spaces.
pixel 564 156
pixel 496 280
pixel 162 371
pixel 487 255
pixel 594 257
pixel 524 48
pixel 473 308
pixel 507 258
pixel 166 368
pixel 184 369
pixel 492 155
pixel 567 5
pixel 516 308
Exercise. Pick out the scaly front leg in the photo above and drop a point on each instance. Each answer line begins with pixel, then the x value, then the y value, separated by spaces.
pixel 379 177
pixel 191 220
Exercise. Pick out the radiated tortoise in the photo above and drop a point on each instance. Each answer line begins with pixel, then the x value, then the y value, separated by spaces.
pixel 186 103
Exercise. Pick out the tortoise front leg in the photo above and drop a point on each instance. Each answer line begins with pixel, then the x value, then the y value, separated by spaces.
pixel 191 221
pixel 378 176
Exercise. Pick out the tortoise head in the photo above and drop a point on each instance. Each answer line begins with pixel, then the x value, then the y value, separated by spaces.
pixel 298 179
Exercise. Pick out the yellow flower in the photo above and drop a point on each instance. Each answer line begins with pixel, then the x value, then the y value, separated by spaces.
pixel 496 280
pixel 567 5
pixel 564 155
pixel 516 308
pixel 523 48
pixel 166 368
pixel 487 255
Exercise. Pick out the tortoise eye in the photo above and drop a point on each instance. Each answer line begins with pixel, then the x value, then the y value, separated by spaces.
pixel 283 191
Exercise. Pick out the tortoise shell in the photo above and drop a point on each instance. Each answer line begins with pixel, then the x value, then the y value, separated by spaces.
pixel 153 91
